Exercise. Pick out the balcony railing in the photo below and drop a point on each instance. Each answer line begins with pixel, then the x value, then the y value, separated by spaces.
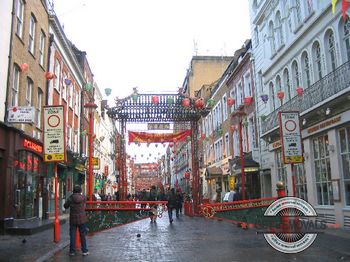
pixel 326 87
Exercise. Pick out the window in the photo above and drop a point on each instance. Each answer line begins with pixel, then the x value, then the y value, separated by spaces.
pixel 331 50
pixel 247 86
pixel 306 69
pixel 234 96
pixel 296 74
pixel 287 84
pixel 77 102
pixel 252 134
pixel 279 88
pixel 317 60
pixel 300 181
pixel 256 34
pixel 224 107
pixel 279 30
pixel 38 108
pixel 322 170
pixel 344 135
pixel 281 169
pixel 42 48
pixel 240 94
pixel 15 86
pixel 19 17
pixel 346 37
pixel 272 96
pixel 235 143
pixel 64 88
pixel 57 80
pixel 272 38
pixel 31 40
pixel 29 92
pixel 309 7
pixel 227 145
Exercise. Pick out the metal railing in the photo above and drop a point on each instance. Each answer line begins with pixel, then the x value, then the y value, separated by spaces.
pixel 326 87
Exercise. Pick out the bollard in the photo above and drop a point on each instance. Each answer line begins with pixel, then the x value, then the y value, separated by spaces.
pixel 77 238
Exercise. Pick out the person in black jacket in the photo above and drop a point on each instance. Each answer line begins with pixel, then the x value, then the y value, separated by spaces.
pixel 172 204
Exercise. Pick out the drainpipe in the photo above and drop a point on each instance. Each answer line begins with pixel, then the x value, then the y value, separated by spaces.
pixel 9 64
pixel 51 39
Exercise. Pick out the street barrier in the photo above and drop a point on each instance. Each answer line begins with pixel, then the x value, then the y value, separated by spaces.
pixel 107 214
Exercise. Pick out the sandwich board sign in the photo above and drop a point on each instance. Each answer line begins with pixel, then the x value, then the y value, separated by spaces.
pixel 290 137
pixel 54 134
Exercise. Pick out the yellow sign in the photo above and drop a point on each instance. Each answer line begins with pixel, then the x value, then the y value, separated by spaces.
pixel 53 157
pixel 95 161
pixel 293 159
pixel 232 183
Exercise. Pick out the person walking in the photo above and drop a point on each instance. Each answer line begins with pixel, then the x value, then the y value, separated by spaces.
pixel 180 200
pixel 153 196
pixel 77 219
pixel 172 203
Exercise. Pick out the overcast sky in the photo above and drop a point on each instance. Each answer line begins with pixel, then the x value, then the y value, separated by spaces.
pixel 150 43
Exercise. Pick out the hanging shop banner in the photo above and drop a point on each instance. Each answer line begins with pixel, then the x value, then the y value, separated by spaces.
pixel 143 137
pixel 54 134
pixel 290 137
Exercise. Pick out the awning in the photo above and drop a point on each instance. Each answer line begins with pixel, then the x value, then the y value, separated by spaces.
pixel 250 165
pixel 212 172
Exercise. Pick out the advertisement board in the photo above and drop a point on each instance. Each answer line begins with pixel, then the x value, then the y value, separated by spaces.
pixel 54 134
pixel 290 137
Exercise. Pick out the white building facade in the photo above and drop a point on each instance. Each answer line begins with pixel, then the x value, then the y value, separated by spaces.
pixel 302 44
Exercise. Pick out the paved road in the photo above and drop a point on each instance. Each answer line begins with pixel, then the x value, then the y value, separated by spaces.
pixel 198 239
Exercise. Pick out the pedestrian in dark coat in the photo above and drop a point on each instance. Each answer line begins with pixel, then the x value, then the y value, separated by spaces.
pixel 172 203
pixel 77 219
pixel 180 200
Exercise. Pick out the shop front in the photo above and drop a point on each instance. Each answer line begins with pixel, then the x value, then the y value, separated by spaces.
pixel 213 175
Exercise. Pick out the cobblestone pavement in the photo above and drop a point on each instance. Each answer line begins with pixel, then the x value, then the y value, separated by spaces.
pixel 198 239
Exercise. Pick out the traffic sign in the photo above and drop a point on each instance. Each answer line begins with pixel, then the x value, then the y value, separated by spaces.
pixel 54 134
pixel 290 137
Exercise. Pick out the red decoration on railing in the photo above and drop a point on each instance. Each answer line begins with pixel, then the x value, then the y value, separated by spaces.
pixel 49 75
pixel 186 102
pixel 300 91
pixel 155 100
pixel 280 95
pixel 231 101
pixel 23 67
pixel 248 100
pixel 199 103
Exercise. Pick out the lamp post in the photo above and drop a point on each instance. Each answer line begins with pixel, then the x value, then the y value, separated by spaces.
pixel 91 106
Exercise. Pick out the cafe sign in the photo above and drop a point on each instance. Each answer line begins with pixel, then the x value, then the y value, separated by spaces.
pixel 54 134
pixel 290 137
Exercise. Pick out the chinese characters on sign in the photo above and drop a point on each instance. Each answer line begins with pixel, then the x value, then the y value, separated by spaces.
pixel 158 126
pixel 54 135
pixel 290 137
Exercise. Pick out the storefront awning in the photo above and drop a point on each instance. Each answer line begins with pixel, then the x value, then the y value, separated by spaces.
pixel 250 165
pixel 212 172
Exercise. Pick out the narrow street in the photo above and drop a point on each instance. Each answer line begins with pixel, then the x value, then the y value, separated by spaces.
pixel 197 239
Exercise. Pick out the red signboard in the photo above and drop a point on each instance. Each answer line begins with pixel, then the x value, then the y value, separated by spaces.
pixel 32 145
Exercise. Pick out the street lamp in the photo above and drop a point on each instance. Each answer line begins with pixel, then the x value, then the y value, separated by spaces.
pixel 91 106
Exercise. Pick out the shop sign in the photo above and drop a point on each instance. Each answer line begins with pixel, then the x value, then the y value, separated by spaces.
pixel 232 182
pixel 275 145
pixel 21 114
pixel 54 134
pixel 79 167
pixel 324 125
pixel 32 145
pixel 290 137
pixel 96 162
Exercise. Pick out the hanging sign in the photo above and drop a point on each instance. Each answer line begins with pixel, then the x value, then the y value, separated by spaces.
pixel 158 126
pixel 96 163
pixel 54 134
pixel 143 137
pixel 21 114
pixel 290 137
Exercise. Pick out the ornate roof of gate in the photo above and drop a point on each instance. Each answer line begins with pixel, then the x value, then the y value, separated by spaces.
pixel 143 108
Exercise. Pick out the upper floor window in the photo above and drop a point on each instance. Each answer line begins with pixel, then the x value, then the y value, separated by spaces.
pixel 38 108
pixel 272 38
pixel 306 69
pixel 331 50
pixel 15 86
pixel 256 37
pixel 227 145
pixel 296 75
pixel 29 92
pixel 287 84
pixel 279 30
pixel 346 37
pixel 317 60
pixel 31 41
pixel 224 107
pixel 19 17
pixel 240 94
pixel 57 80
pixel 298 11
pixel 234 96
pixel 272 95
pixel 42 48
pixel 279 87
pixel 64 88
pixel 248 86
pixel 309 7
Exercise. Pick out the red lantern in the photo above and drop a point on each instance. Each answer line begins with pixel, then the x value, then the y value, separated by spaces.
pixel 248 100
pixel 300 91
pixel 280 95
pixel 203 136
pixel 231 101
pixel 199 103
pixel 155 100
pixel 171 145
pixel 23 67
pixel 186 102
pixel 49 75
pixel 187 175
